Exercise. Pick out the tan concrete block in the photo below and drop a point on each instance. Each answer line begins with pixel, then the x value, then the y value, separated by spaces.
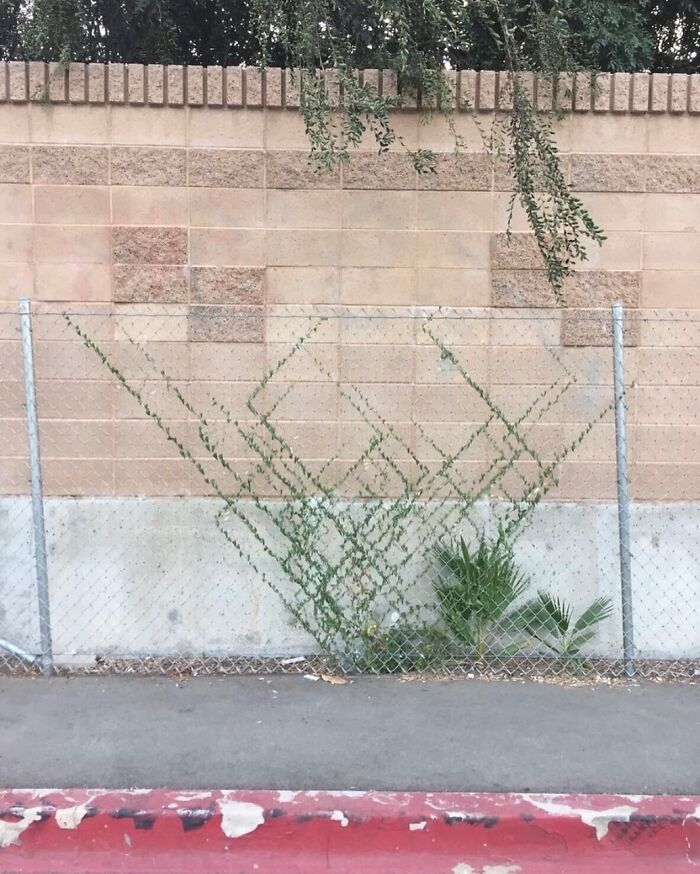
pixel 96 84
pixel 602 86
pixel 69 360
pixel 593 288
pixel 616 211
pixel 453 249
pixel 671 251
pixel 155 84
pixel 313 362
pixel 583 92
pixel 679 92
pixel 448 403
pixel 379 285
pixel 75 398
pixel 672 444
pixel 296 170
pixel 285 130
pixel 640 92
pixel 660 83
pixel 659 405
pixel 219 168
pixel 374 363
pixel 379 209
pixel 621 250
pixel 175 84
pixel 227 207
pixel 215 86
pixel 670 367
pixel 670 328
pixel 436 440
pixel 234 86
pixel 380 325
pixel 136 84
pixel 14 164
pixel 195 85
pixel 134 126
pixel 461 172
pixel 433 368
pixel 671 288
pixel 253 80
pixel 453 287
pixel 672 212
pixel 17 78
pixel 228 285
pixel 665 482
pixel 86 439
pixel 303 209
pixel 564 91
pixel 70 165
pixel 16 281
pixel 515 251
pixel 579 480
pixel 608 172
pixel 504 180
pixel 153 392
pixel 525 365
pixel 147 166
pixel 150 322
pixel 355 438
pixel 673 173
pixel 544 89
pixel 149 245
pixel 15 243
pixel 16 203
pixel 77 82
pixel 273 87
pixel 378 248
pixel 372 401
pixel 487 90
pixel 145 205
pixel 144 439
pixel 116 83
pixel 672 133
pixel 72 244
pixel 455 211
pixel 311 401
pixel 466 89
pixel 216 362
pixel 51 324
pixel 227 246
pixel 621 134
pixel 308 285
pixel 292 89
pixel 58 82
pixel 148 283
pixel 622 91
pixel 522 327
pixel 289 323
pixel 68 205
pixel 160 477
pixel 594 328
pixel 69 124
pixel 301 248
pixel 694 93
pixel 239 130
pixel 224 324
pixel 15 122
pixel 78 477
pixel 72 282
pixel 390 171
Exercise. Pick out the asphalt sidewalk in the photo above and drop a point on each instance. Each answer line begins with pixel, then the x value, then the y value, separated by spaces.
pixel 381 733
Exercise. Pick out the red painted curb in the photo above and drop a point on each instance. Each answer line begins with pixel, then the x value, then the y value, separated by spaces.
pixel 144 832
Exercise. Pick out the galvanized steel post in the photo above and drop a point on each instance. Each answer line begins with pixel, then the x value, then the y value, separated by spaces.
pixel 623 505
pixel 39 528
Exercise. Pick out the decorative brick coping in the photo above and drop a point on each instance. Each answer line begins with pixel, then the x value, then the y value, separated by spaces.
pixel 139 832
pixel 235 87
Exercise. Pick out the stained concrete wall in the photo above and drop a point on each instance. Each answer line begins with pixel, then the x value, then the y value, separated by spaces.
pixel 155 577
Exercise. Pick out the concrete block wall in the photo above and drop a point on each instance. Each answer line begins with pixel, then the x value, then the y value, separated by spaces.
pixel 178 205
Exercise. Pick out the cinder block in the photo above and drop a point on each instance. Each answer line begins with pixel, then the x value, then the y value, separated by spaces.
pixel 228 285
pixel 295 170
pixel 146 283
pixel 226 168
pixel 149 245
pixel 148 166
pixel 70 165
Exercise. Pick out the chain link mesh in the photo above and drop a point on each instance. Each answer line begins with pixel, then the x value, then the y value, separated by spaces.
pixel 378 490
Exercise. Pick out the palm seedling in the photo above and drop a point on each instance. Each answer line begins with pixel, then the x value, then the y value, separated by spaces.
pixel 550 621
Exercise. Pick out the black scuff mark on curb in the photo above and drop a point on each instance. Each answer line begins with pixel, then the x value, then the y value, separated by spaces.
pixel 194 817
pixel 142 819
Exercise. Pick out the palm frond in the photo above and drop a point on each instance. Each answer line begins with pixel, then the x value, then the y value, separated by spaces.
pixel 600 610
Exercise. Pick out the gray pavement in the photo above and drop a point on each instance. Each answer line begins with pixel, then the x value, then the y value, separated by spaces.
pixel 286 732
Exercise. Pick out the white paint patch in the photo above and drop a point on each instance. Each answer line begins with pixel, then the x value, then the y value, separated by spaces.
pixel 339 816
pixel 127 840
pixel 597 819
pixel 71 817
pixel 417 826
pixel 10 832
pixel 286 796
pixel 240 818
pixel 463 868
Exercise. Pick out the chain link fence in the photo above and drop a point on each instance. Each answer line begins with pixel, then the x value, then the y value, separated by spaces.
pixel 387 490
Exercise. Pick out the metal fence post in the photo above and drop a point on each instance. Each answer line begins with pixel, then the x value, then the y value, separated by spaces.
pixel 623 505
pixel 39 528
